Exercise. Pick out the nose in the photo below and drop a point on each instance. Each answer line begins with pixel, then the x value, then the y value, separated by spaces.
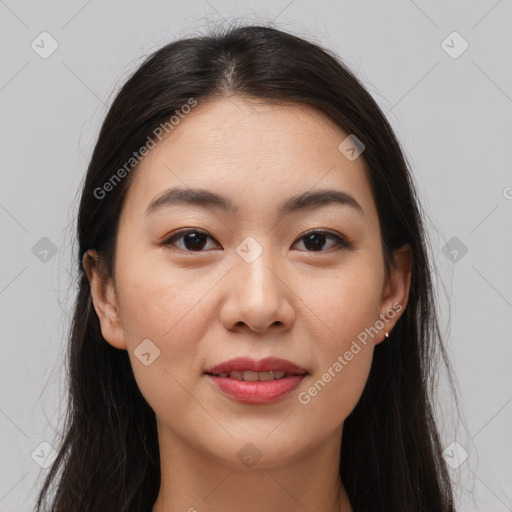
pixel 258 296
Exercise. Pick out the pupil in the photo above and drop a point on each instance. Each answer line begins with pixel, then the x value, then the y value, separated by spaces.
pixel 195 241
pixel 320 241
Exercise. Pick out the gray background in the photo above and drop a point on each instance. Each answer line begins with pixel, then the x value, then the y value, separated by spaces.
pixel 452 116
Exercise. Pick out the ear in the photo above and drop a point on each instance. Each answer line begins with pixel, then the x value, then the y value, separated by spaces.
pixel 104 300
pixel 396 291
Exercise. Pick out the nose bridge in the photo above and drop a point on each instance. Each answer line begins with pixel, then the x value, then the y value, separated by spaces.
pixel 258 297
pixel 256 265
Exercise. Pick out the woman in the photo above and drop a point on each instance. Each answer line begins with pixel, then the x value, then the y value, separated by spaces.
pixel 255 325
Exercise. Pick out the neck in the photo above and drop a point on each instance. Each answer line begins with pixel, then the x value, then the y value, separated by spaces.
pixel 194 482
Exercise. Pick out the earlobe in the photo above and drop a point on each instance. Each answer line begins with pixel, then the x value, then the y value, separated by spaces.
pixel 396 294
pixel 104 300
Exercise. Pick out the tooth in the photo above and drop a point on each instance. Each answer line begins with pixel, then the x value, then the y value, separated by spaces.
pixel 250 376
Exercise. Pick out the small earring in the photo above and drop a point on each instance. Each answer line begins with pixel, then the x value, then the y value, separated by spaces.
pixel 386 334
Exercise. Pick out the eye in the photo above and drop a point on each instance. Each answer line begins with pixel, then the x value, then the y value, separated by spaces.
pixel 315 240
pixel 194 240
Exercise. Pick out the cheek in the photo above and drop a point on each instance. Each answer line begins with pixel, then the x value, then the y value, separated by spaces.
pixel 344 309
pixel 163 315
pixel 160 302
pixel 334 389
pixel 164 320
pixel 344 304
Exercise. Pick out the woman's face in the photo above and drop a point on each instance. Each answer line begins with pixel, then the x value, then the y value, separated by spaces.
pixel 250 282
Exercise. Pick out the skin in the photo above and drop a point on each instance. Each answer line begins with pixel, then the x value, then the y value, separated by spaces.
pixel 203 307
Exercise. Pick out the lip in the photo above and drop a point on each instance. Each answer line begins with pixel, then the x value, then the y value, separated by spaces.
pixel 256 392
pixel 263 365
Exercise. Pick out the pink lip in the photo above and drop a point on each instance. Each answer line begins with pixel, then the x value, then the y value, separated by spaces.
pixel 250 365
pixel 257 392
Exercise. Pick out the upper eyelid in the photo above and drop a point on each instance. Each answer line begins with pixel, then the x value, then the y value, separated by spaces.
pixel 185 231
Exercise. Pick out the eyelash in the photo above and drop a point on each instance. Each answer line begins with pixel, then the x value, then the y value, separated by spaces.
pixel 341 242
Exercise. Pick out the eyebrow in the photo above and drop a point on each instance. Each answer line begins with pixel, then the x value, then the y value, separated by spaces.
pixel 204 198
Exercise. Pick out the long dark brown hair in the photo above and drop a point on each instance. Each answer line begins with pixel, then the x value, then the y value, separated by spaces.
pixel 108 458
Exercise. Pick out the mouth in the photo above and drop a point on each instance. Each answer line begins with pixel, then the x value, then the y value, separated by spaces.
pixel 256 382
pixel 250 376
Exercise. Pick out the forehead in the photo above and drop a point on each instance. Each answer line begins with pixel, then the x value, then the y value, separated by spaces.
pixel 239 129
pixel 252 152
